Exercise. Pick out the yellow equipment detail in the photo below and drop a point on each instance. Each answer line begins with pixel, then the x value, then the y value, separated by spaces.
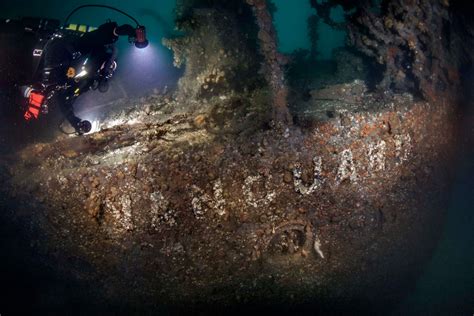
pixel 80 28
pixel 71 72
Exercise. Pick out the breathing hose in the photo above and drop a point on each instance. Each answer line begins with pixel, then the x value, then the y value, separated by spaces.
pixel 140 31
pixel 101 6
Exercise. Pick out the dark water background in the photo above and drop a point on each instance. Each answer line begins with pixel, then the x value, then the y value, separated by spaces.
pixel 27 284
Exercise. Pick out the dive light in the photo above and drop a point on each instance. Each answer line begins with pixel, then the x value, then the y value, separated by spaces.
pixel 140 37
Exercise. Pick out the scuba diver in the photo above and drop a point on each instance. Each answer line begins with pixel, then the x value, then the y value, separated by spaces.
pixel 56 70
pixel 69 61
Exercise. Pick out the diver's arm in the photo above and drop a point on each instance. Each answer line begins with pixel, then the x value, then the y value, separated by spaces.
pixel 81 127
pixel 66 107
pixel 124 29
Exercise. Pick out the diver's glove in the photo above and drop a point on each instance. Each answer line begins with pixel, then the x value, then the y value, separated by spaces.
pixel 83 127
pixel 103 86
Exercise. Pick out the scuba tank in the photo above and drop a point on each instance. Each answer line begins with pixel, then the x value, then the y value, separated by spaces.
pixel 22 41
pixel 40 25
pixel 45 30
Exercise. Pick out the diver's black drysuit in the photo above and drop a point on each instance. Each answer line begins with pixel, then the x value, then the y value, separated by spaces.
pixel 61 51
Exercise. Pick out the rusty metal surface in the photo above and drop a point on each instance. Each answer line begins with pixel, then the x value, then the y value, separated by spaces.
pixel 347 207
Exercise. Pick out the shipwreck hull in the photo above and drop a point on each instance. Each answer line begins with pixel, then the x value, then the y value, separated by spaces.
pixel 346 208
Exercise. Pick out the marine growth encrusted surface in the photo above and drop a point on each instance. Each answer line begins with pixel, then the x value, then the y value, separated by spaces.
pixel 169 213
